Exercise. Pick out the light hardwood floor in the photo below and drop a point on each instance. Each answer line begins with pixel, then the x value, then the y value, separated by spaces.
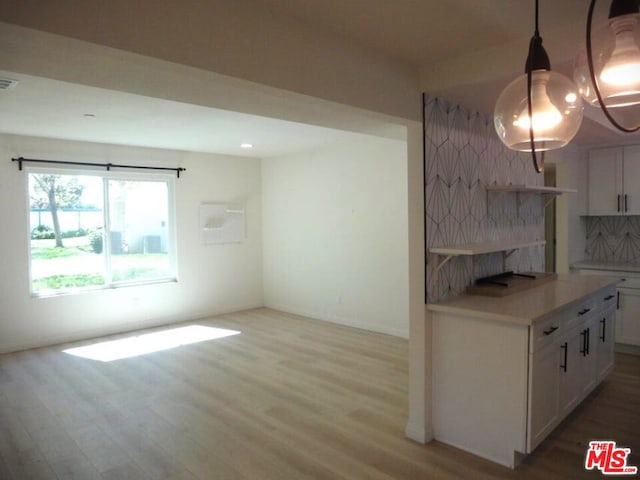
pixel 288 398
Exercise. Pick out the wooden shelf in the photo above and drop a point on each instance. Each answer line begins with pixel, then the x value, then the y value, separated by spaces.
pixel 551 192
pixel 484 247
pixel 506 247
pixel 530 189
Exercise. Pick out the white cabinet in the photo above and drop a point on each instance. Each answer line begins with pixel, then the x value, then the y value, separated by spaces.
pixel 499 389
pixel 631 180
pixel 544 394
pixel 588 352
pixel 614 181
pixel 628 317
pixel 626 307
pixel 605 181
pixel 578 364
pixel 570 385
pixel 605 342
pixel 569 368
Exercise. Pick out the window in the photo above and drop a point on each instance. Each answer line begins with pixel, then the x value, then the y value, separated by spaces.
pixel 99 230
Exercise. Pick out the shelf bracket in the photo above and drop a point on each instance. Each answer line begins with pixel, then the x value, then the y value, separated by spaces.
pixel 434 275
pixel 473 269
pixel 506 254
pixel 550 199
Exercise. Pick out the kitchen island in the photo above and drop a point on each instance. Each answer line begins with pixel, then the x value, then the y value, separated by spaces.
pixel 507 370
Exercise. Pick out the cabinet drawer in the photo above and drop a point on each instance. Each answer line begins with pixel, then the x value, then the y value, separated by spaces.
pixel 627 281
pixel 545 332
pixel 584 310
pixel 607 299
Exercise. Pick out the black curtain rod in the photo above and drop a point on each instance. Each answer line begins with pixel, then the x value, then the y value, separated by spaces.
pixel 108 166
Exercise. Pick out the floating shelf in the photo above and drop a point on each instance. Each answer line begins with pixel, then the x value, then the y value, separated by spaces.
pixel 530 189
pixel 485 247
pixel 552 192
pixel 506 247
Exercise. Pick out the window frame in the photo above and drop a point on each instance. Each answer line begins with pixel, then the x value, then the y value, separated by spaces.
pixel 106 176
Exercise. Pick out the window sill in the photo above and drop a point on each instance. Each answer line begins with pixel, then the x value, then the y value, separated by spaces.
pixel 97 288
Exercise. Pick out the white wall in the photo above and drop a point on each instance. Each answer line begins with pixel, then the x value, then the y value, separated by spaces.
pixel 571 172
pixel 211 279
pixel 419 426
pixel 336 234
pixel 308 63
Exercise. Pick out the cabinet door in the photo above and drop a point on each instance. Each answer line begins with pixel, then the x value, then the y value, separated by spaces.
pixel 631 180
pixel 571 371
pixel 605 182
pixel 628 317
pixel 589 354
pixel 544 400
pixel 605 342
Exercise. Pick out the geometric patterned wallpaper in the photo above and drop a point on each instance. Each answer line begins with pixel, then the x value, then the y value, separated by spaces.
pixel 463 156
pixel 614 239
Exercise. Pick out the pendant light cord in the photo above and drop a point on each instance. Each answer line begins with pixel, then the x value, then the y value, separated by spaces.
pixel 594 80
pixel 532 43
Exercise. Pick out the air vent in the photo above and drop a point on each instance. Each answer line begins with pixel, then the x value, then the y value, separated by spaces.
pixel 7 83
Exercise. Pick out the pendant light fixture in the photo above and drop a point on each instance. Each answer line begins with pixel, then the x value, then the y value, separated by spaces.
pixel 540 110
pixel 608 71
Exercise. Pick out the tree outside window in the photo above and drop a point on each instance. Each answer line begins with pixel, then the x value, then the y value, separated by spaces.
pixel 99 230
pixel 52 192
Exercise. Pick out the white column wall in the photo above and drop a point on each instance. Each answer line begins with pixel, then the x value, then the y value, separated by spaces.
pixel 335 234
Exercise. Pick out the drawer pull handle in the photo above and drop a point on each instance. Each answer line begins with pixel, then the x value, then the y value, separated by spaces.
pixel 582 312
pixel 609 297
pixel 604 328
pixel 618 202
pixel 564 347
pixel 550 331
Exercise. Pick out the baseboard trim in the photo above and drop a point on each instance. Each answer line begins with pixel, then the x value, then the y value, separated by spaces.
pixel 89 334
pixel 418 433
pixel 347 322
pixel 629 349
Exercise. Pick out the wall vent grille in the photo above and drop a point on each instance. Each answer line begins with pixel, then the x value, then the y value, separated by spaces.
pixel 7 83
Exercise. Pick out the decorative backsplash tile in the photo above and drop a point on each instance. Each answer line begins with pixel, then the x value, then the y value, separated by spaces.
pixel 463 157
pixel 613 239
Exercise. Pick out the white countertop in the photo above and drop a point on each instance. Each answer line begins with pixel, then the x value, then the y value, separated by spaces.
pixel 602 265
pixel 525 308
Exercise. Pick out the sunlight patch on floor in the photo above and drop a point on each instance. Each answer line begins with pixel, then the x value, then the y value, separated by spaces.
pixel 149 343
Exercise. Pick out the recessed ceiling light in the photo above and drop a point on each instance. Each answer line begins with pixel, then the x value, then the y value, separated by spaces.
pixel 246 145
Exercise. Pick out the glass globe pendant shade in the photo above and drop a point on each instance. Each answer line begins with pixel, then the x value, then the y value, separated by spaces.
pixel 616 61
pixel 556 112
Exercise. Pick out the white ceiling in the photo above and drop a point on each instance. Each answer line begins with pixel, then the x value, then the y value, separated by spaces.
pixel 422 32
pixel 50 108
pixel 466 51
